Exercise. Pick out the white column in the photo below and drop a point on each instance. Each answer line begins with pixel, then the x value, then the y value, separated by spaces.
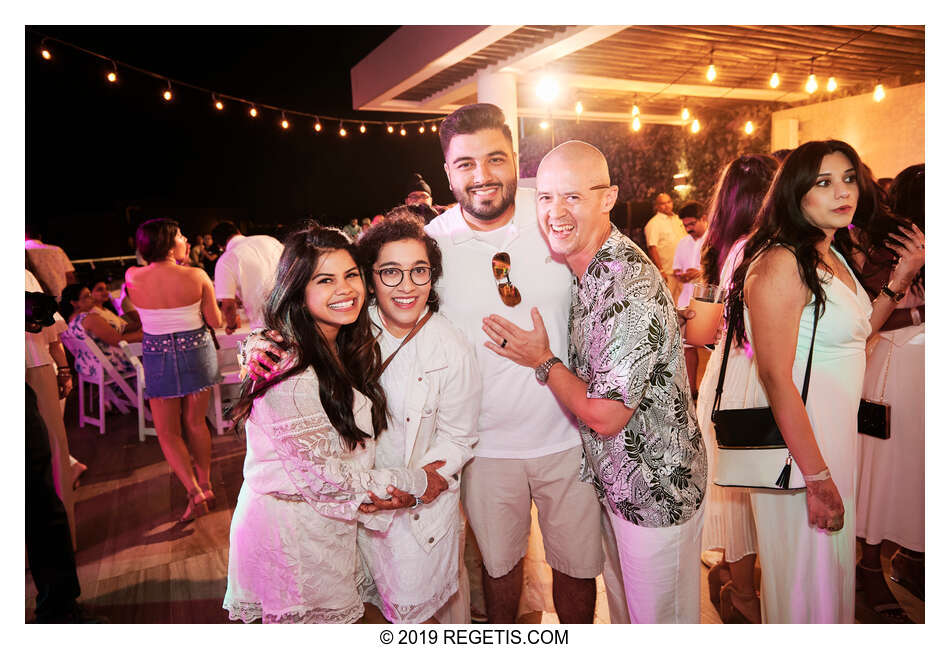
pixel 501 89
pixel 784 133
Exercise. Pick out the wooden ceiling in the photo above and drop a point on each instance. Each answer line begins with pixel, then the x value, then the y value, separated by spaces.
pixel 607 68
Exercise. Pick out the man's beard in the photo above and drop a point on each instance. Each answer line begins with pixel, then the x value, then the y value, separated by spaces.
pixel 487 212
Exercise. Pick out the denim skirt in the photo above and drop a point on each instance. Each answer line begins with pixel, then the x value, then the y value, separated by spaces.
pixel 179 364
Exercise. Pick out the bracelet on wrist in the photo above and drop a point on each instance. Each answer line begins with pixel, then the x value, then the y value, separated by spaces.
pixel 63 370
pixel 824 474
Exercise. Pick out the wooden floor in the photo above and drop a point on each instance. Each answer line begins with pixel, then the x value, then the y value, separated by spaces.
pixel 136 564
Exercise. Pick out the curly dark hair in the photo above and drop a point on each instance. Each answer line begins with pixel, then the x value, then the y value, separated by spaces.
pixel 399 228
pixel 781 221
pixel 357 362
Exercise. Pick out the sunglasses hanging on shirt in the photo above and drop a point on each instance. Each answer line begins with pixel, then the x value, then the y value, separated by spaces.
pixel 501 268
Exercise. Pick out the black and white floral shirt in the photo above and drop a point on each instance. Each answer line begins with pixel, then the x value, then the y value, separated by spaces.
pixel 625 343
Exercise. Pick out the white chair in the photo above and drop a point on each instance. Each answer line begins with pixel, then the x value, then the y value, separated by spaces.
pixel 230 376
pixel 104 376
pixel 144 413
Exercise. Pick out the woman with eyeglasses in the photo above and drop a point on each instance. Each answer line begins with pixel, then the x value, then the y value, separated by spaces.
pixel 433 393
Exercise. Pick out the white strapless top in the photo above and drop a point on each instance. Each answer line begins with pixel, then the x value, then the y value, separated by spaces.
pixel 168 321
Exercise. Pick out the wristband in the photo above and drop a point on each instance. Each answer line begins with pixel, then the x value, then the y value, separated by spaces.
pixel 65 370
pixel 824 474
pixel 895 296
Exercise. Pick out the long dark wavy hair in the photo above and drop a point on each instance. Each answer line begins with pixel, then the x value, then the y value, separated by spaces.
pixel 738 197
pixel 399 228
pixel 356 363
pixel 781 221
pixel 906 197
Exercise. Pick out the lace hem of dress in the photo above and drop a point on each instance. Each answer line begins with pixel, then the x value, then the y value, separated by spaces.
pixel 408 613
pixel 250 611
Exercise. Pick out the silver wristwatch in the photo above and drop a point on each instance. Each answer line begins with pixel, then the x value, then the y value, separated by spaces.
pixel 541 371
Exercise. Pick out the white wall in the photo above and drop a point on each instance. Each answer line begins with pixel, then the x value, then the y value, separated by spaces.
pixel 889 136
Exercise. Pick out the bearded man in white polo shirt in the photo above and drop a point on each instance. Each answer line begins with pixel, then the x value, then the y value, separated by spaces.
pixel 495 259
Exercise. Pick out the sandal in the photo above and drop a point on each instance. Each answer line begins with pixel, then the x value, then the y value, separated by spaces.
pixel 718 575
pixel 197 507
pixel 904 569
pixel 889 612
pixel 208 494
pixel 733 615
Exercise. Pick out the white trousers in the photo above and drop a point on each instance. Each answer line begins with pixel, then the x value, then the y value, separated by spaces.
pixel 661 569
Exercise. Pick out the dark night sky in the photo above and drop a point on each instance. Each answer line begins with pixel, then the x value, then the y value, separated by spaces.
pixel 92 149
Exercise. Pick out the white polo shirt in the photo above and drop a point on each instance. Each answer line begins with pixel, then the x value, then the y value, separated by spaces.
pixel 247 270
pixel 519 418
pixel 664 232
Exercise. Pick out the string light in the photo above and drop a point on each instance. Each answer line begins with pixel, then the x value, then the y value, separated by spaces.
pixel 749 127
pixel 422 128
pixel 317 126
pixel 167 95
pixel 636 123
pixel 711 70
pixel 44 51
pixel 684 114
pixel 389 128
pixel 217 102
pixel 635 111
pixel 113 75
pixel 695 126
pixel 812 84
pixel 774 81
pixel 362 128
pixel 284 124
pixel 578 108
pixel 878 92
pixel 402 130
pixel 253 111
pixel 434 128
pixel 832 84
pixel 342 130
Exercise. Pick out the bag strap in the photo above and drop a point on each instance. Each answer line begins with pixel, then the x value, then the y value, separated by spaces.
pixel 412 332
pixel 725 358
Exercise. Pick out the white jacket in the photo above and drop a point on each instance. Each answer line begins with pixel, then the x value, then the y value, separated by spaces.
pixel 443 399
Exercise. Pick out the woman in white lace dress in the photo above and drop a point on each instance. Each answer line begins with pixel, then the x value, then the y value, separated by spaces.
pixel 311 430
pixel 433 390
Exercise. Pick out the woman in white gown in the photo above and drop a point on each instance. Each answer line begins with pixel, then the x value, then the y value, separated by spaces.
pixel 311 432
pixel 433 390
pixel 795 267
pixel 890 498
pixel 728 524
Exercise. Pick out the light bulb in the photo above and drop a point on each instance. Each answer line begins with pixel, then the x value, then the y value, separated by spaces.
pixel 812 84
pixel 252 112
pixel 167 95
pixel 112 77
pixel 422 129
pixel 219 105
pixel 635 111
pixel 774 81
pixel 389 128
pixel 543 125
pixel 317 126
pixel 636 123
pixel 402 130
pixel 832 84
pixel 878 92
pixel 578 108
pixel 284 124
pixel 685 113
pixel 695 126
pixel 342 132
pixel 547 89
pixel 362 128
pixel 749 127
pixel 711 72
pixel 434 128
pixel 45 54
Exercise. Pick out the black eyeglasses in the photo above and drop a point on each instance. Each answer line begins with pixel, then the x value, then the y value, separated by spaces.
pixel 501 268
pixel 392 276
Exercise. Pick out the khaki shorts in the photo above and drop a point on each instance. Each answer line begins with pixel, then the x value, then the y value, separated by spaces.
pixel 497 494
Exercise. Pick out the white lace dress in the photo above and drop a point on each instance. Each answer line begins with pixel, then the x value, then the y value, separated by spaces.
pixel 293 554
